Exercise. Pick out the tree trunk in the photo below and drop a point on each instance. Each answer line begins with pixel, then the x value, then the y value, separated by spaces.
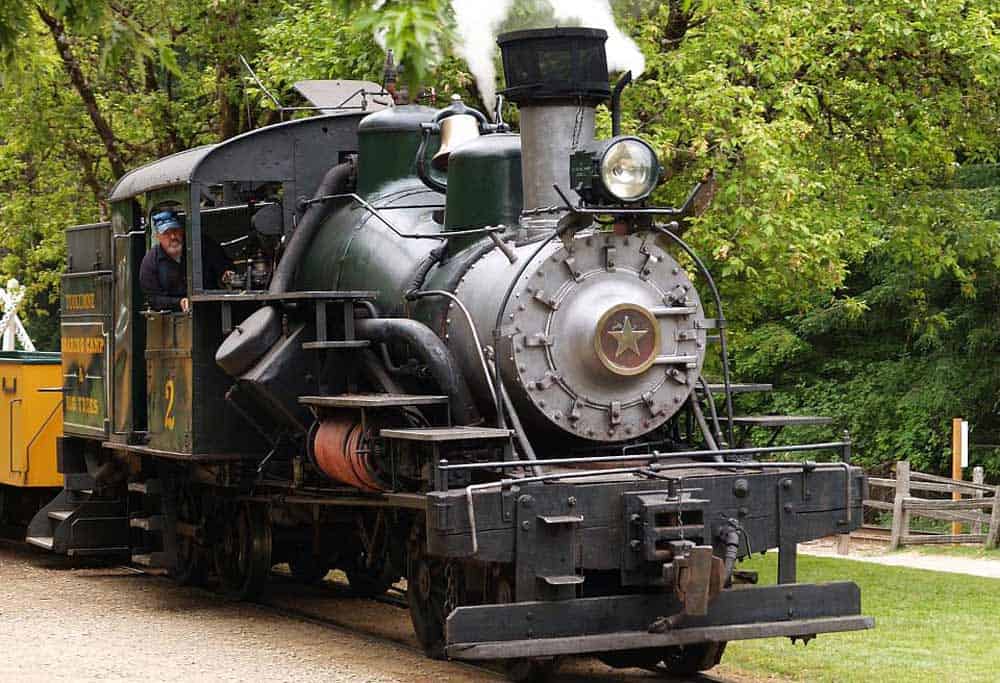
pixel 84 89
pixel 229 111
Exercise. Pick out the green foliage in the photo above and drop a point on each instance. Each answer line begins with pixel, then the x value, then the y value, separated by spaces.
pixel 418 33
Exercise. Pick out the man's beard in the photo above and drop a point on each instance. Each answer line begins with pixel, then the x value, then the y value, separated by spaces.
pixel 174 249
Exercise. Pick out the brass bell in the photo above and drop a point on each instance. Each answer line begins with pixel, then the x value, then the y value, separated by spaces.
pixel 456 130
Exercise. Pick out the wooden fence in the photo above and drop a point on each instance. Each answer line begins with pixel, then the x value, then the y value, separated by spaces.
pixel 969 510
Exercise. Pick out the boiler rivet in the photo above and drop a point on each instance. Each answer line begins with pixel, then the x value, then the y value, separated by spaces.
pixel 525 525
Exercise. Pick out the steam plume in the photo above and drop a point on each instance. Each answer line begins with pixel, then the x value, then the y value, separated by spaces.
pixel 479 22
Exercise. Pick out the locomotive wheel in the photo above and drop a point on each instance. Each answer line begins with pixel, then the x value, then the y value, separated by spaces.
pixel 190 564
pixel 369 583
pixel 243 553
pixel 522 670
pixel 307 568
pixel 433 590
pixel 371 572
pixel 681 660
pixel 688 660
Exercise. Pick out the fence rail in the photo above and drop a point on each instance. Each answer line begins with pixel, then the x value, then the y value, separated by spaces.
pixel 971 510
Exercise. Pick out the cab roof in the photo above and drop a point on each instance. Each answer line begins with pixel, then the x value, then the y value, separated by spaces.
pixel 280 152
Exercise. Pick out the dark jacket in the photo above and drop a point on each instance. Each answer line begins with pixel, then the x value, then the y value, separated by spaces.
pixel 163 280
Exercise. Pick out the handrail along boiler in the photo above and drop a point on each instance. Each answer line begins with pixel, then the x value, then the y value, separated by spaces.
pixel 456 354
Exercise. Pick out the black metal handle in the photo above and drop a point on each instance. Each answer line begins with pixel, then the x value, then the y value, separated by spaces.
pixel 422 171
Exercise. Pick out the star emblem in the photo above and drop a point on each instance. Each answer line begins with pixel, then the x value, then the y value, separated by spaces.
pixel 627 337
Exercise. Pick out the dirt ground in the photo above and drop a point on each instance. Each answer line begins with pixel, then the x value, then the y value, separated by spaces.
pixel 64 623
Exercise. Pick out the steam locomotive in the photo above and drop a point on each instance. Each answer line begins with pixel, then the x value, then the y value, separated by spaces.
pixel 452 353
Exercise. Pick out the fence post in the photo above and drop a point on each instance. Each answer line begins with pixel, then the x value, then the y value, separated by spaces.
pixel 993 538
pixel 977 478
pixel 900 518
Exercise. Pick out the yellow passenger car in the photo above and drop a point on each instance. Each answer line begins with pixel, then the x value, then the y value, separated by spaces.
pixel 30 420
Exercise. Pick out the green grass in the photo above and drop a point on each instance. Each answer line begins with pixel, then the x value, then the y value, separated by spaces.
pixel 929 626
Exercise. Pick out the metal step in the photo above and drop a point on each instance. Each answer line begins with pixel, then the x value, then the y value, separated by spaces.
pixel 78 482
pixel 149 559
pixel 737 387
pixel 46 542
pixel 567 580
pixel 342 344
pixel 60 515
pixel 780 420
pixel 372 400
pixel 150 487
pixel 437 434
pixel 99 552
pixel 150 523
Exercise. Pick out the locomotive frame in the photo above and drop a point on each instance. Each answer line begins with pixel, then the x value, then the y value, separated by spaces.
pixel 329 426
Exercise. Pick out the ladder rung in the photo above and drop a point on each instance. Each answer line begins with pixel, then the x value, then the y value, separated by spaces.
pixel 149 487
pixel 151 523
pixel 343 344
pixel 567 580
pixel 46 542
pixel 446 433
pixel 554 520
pixel 372 400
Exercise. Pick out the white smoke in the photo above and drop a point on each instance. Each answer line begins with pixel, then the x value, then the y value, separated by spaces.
pixel 623 53
pixel 478 23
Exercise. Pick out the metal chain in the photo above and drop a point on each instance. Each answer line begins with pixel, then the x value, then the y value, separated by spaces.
pixel 450 591
pixel 577 126
pixel 680 505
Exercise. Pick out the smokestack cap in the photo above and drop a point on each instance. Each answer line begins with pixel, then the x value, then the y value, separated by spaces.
pixel 568 64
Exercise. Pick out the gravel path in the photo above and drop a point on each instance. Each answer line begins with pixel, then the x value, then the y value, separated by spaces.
pixel 876 553
pixel 59 623
pixel 112 624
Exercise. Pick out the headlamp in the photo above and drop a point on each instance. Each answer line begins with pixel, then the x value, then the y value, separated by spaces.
pixel 620 170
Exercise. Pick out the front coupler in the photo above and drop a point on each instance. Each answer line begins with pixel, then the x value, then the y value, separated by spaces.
pixel 669 542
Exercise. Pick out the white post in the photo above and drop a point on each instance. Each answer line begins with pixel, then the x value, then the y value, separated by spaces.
pixel 977 478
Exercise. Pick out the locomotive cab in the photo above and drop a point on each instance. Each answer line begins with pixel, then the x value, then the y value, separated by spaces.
pixel 241 197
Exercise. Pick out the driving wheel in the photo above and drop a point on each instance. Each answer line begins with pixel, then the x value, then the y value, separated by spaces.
pixel 306 567
pixel 522 669
pixel 434 587
pixel 190 562
pixel 688 660
pixel 243 553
